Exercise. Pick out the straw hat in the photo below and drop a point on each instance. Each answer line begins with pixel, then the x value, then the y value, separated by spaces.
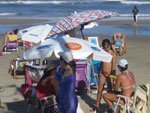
pixel 67 56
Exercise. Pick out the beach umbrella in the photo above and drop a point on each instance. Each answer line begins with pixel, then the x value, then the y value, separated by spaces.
pixel 35 34
pixel 81 49
pixel 79 19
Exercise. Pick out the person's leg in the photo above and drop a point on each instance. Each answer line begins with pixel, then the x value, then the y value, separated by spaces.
pixel 114 49
pixel 110 98
pixel 121 50
pixel 100 89
pixel 110 84
pixel 11 67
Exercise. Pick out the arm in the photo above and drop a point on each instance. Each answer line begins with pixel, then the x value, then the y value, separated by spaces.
pixel 114 60
pixel 99 70
pixel 118 83
pixel 114 37
pixel 56 85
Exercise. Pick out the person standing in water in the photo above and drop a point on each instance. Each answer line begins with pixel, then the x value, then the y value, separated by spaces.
pixel 135 11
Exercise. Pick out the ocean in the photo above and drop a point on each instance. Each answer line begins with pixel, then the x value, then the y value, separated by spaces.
pixel 54 10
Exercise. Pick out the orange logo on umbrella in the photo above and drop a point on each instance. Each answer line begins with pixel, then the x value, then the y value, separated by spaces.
pixel 73 46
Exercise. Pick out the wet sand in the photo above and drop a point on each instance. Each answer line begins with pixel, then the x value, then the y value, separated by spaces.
pixel 137 55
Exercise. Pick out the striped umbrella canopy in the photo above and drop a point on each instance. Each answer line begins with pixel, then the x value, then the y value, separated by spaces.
pixel 70 22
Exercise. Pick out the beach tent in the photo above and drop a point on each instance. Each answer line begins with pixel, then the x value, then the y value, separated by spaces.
pixel 35 34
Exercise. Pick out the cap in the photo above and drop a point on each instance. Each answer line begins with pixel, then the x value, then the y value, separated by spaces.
pixel 67 56
pixel 122 63
pixel 50 66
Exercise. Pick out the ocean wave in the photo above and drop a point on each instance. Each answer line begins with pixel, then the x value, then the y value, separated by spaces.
pixel 33 2
pixel 126 15
pixel 9 14
pixel 73 1
pixel 126 1
pixel 135 2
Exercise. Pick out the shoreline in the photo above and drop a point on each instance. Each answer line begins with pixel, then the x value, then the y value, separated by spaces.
pixel 106 26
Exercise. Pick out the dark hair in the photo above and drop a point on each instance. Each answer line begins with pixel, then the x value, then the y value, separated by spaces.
pixel 124 68
pixel 16 31
pixel 105 41
pixel 135 6
pixel 72 64
pixel 47 73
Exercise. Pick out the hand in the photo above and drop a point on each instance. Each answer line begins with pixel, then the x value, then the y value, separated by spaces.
pixel 94 108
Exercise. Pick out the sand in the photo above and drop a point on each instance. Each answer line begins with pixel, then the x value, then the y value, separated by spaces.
pixel 137 55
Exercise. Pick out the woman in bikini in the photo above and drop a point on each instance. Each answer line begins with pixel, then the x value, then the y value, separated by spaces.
pixel 119 42
pixel 125 81
pixel 106 69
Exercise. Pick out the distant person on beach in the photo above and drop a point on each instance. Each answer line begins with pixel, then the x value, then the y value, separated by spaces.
pixel 119 43
pixel 135 11
pixel 106 69
pixel 126 81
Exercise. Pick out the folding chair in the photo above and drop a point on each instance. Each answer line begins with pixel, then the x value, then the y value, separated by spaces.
pixel 136 103
pixel 32 98
pixel 11 43
pixel 17 67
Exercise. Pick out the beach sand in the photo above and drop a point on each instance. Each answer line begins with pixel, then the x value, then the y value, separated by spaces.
pixel 137 55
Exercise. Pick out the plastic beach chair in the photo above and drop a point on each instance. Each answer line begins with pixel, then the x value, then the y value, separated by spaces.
pixel 11 44
pixel 32 98
pixel 136 103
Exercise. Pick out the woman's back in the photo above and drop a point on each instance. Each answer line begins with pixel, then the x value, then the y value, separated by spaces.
pixel 127 84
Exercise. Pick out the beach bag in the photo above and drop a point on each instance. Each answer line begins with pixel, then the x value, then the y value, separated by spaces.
pixel 28 93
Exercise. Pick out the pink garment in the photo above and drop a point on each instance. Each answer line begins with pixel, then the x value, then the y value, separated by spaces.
pixel 28 79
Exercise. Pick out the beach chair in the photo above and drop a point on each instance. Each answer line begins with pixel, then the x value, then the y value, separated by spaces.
pixel 82 76
pixel 32 98
pixel 11 43
pixel 123 44
pixel 96 65
pixel 17 68
pixel 137 103
pixel 95 41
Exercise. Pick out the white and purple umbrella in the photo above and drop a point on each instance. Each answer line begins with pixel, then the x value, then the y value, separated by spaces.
pixel 81 49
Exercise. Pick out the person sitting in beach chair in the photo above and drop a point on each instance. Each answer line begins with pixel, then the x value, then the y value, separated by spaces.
pixel 10 42
pixel 43 93
pixel 119 43
pixel 15 64
pixel 137 103
pixel 125 81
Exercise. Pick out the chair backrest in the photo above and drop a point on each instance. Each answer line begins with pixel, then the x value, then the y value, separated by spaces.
pixel 12 38
pixel 140 98
pixel 82 81
pixel 94 40
pixel 11 41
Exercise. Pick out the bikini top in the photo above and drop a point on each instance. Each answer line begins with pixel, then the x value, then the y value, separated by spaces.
pixel 127 87
pixel 118 41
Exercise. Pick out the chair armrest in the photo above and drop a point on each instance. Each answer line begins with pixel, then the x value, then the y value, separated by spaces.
pixel 123 97
pixel 47 97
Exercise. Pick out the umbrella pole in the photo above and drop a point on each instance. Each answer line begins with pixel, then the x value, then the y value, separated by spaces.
pixel 94 74
pixel 82 34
